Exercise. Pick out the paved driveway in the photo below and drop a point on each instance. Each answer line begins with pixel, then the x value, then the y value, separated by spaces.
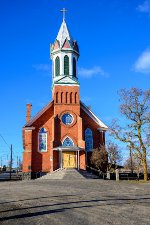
pixel 72 202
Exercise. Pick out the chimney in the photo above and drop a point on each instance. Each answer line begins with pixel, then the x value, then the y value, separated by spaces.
pixel 28 115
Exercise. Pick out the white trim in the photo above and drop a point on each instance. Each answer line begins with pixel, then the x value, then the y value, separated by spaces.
pixel 66 84
pixel 76 159
pixel 93 116
pixel 68 148
pixel 28 128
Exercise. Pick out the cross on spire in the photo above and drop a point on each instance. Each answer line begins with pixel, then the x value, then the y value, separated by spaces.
pixel 64 12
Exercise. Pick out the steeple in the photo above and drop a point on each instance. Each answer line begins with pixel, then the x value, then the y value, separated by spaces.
pixel 64 55
pixel 64 34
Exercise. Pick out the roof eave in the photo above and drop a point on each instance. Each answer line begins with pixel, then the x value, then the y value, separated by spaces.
pixel 40 113
pixel 102 126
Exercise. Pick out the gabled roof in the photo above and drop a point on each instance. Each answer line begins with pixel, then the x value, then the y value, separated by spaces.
pixel 83 106
pixel 30 123
pixel 66 44
pixel 93 116
pixel 64 34
pixel 56 45
pixel 66 80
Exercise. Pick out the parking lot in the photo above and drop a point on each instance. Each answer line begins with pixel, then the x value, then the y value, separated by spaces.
pixel 72 202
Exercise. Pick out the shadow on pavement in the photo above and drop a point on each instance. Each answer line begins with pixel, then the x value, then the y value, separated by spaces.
pixel 116 201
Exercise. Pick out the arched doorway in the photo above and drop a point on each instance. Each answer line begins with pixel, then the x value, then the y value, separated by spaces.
pixel 68 157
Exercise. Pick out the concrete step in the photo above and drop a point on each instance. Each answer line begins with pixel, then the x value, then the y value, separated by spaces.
pixel 69 174
pixel 55 175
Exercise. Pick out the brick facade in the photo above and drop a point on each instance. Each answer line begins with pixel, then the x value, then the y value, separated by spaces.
pixel 35 161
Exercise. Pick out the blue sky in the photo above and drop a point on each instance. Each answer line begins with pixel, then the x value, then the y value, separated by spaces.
pixel 114 41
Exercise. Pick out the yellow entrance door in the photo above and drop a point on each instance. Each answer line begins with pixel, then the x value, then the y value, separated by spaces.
pixel 69 159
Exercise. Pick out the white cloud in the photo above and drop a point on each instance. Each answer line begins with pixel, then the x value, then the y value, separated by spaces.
pixel 42 67
pixel 144 7
pixel 88 73
pixel 142 64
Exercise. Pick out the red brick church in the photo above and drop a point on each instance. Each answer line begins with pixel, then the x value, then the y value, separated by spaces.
pixel 64 133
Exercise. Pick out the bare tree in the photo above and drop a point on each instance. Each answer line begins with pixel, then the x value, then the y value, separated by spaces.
pixel 114 154
pixel 135 106
pixel 99 158
pixel 135 165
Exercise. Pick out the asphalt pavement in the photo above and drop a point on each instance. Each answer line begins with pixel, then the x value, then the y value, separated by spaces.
pixel 74 202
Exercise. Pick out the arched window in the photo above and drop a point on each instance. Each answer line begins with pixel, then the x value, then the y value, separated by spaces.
pixel 74 67
pixel 68 142
pixel 42 140
pixel 66 65
pixel 88 140
pixel 57 66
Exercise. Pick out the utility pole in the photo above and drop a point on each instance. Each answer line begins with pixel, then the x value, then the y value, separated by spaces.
pixel 7 165
pixel 10 160
pixel 17 165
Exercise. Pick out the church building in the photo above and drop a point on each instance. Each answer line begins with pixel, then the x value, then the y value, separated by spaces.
pixel 64 133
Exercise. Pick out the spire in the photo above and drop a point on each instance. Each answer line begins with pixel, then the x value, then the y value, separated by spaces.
pixel 64 53
pixel 64 39
pixel 64 34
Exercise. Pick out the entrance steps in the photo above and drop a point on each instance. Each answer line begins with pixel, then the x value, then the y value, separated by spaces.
pixel 69 174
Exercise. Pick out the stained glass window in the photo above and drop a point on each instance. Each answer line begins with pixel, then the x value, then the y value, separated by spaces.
pixel 66 65
pixel 68 142
pixel 67 119
pixel 42 140
pixel 57 66
pixel 74 67
pixel 88 140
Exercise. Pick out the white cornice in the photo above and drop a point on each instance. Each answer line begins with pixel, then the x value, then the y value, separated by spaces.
pixel 65 84
pixel 94 117
pixel 28 128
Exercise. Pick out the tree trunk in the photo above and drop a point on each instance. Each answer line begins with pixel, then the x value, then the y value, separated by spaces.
pixel 145 169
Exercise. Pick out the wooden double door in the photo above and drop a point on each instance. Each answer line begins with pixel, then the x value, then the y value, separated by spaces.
pixel 69 160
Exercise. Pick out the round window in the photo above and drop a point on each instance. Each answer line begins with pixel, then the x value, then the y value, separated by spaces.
pixel 67 119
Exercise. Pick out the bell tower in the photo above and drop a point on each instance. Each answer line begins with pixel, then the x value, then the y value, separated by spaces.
pixel 64 54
